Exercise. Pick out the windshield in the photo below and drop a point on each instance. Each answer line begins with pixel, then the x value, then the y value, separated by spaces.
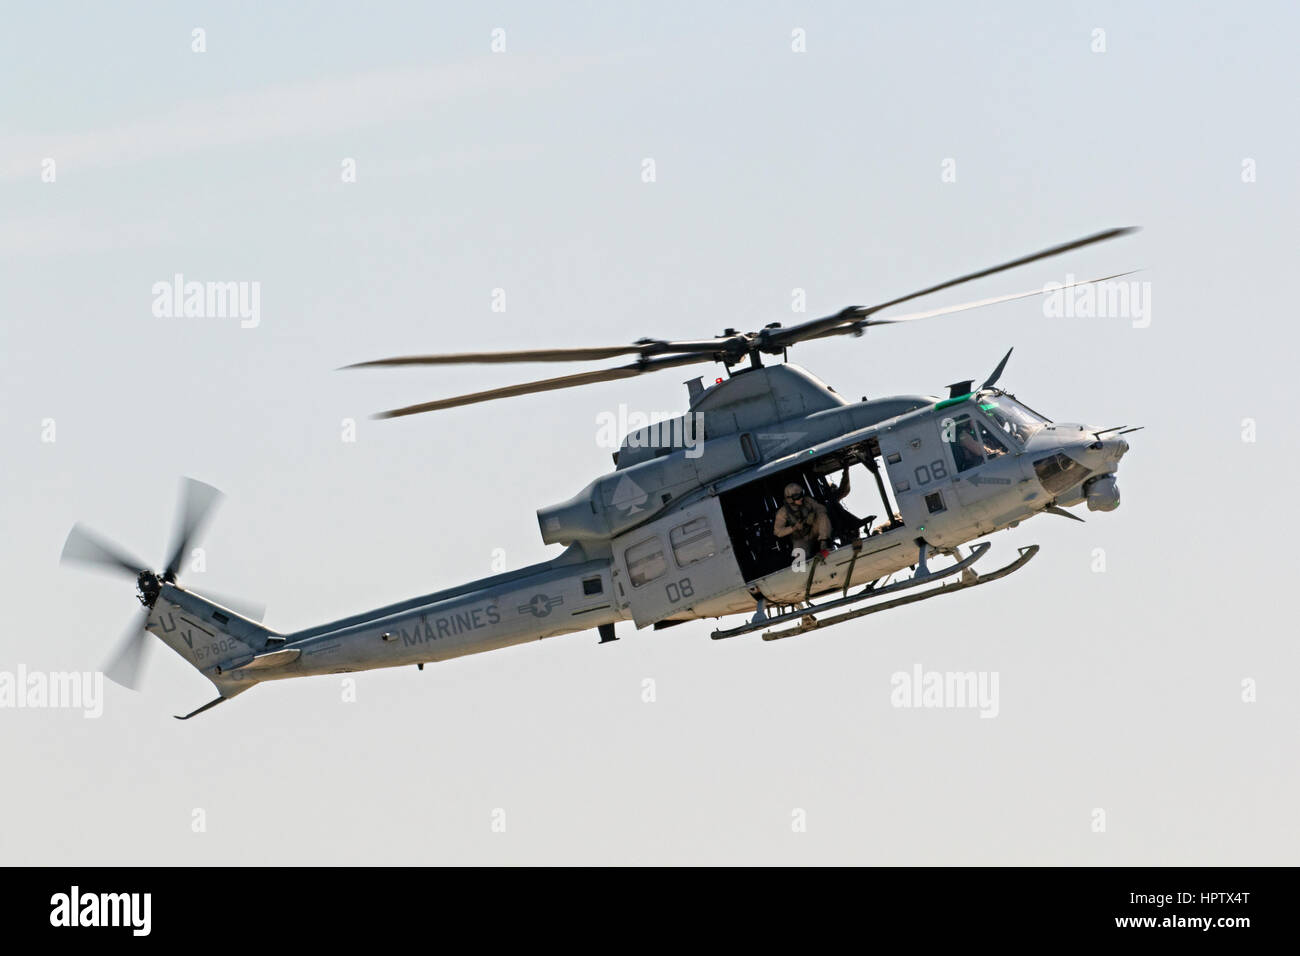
pixel 1011 418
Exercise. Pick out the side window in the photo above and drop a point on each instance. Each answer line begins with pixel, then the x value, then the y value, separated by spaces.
pixel 645 561
pixel 967 448
pixel 1058 472
pixel 691 542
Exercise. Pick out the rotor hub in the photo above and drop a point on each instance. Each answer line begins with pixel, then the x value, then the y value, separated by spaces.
pixel 150 586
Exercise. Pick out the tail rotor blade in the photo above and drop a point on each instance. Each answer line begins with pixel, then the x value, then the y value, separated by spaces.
pixel 197 501
pixel 127 663
pixel 85 547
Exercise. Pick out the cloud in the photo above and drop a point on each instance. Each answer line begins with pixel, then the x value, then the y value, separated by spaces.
pixel 54 235
pixel 318 107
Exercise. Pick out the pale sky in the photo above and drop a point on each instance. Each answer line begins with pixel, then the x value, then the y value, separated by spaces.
pixel 775 170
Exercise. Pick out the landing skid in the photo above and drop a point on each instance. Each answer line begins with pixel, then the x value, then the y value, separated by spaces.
pixel 924 576
pixel 968 580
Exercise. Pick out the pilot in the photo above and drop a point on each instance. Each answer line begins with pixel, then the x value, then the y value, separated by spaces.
pixel 968 450
pixel 805 520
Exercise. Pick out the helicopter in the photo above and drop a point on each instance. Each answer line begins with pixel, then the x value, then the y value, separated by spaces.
pixel 685 526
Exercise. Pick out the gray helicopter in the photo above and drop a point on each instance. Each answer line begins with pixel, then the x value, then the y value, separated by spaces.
pixel 690 522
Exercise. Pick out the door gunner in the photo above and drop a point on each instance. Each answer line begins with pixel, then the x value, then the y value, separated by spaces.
pixel 805 519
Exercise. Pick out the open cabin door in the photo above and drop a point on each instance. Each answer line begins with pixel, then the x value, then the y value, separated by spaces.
pixel 664 568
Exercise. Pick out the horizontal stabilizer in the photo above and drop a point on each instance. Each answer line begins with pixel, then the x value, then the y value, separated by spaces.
pixel 266 661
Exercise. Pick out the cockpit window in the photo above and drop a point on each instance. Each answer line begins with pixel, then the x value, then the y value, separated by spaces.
pixel 992 446
pixel 973 442
pixel 967 449
pixel 1010 417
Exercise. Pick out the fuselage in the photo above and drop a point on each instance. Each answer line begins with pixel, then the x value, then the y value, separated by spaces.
pixel 671 536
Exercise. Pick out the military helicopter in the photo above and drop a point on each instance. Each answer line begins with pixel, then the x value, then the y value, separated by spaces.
pixel 684 527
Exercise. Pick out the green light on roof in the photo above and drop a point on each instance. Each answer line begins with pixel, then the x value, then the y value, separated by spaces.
pixel 949 402
pixel 922 528
pixel 988 407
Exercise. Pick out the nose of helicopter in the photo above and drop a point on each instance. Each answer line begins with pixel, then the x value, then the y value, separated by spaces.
pixel 1098 452
pixel 1101 456
pixel 1108 450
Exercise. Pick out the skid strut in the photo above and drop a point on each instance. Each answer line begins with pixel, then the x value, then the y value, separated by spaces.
pixel 977 551
pixel 968 580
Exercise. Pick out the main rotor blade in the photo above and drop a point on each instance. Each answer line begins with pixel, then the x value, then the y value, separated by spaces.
pixel 814 327
pixel 734 344
pixel 857 325
pixel 197 501
pixel 980 303
pixel 127 663
pixel 494 358
pixel 551 384
pixel 1014 263
pixel 85 547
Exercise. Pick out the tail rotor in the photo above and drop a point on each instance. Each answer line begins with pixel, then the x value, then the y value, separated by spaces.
pixel 83 546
